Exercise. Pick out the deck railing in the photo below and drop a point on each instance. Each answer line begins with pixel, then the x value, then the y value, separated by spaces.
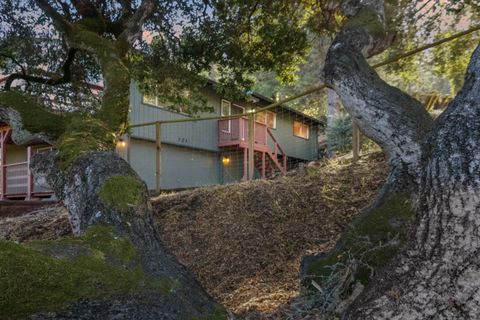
pixel 236 130
pixel 16 181
pixel 16 178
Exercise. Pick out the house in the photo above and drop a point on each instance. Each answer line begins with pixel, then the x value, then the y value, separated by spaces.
pixel 194 153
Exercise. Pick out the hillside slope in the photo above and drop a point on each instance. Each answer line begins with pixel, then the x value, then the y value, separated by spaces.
pixel 244 242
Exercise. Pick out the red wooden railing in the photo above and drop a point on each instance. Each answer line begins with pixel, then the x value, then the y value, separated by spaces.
pixel 16 180
pixel 234 132
pixel 278 148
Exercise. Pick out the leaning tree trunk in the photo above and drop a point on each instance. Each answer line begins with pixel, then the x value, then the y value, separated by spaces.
pixel 101 189
pixel 431 267
pixel 437 276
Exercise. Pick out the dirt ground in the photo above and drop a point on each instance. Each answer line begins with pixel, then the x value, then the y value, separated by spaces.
pixel 244 242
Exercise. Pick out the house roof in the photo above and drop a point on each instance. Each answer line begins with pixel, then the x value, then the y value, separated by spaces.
pixel 213 82
pixel 289 109
pixel 282 106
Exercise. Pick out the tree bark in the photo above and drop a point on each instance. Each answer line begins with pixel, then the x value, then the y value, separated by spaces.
pixel 80 190
pixel 437 276
pixel 436 273
pixel 96 185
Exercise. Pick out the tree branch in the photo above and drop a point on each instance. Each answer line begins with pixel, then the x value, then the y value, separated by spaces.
pixel 133 26
pixel 390 117
pixel 65 78
pixel 60 22
pixel 86 9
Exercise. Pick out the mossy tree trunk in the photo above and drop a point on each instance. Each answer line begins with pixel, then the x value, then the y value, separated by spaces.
pixel 95 184
pixel 399 268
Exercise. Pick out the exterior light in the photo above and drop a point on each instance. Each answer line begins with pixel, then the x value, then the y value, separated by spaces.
pixel 121 143
pixel 226 160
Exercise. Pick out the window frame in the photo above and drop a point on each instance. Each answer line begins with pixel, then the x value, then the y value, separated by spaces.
pixel 266 122
pixel 228 130
pixel 301 125
pixel 157 105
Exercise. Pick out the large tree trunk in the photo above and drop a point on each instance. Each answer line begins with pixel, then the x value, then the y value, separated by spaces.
pixel 100 189
pixel 435 270
pixel 437 276
pixel 82 190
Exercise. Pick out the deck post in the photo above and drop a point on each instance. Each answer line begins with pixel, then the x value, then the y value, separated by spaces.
pixel 245 164
pixel 251 145
pixel 5 136
pixel 29 174
pixel 264 164
pixel 3 180
pixel 158 144
pixel 129 140
pixel 355 141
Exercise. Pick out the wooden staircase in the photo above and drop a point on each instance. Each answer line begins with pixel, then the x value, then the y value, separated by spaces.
pixel 269 157
pixel 270 161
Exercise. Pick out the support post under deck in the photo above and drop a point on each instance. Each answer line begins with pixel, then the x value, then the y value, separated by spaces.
pixel 158 145
pixel 251 145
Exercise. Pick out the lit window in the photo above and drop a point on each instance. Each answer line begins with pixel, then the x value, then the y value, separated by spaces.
pixel 267 117
pixel 300 129
pixel 271 119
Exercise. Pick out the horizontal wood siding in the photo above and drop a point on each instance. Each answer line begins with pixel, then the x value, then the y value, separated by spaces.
pixel 200 135
pixel 305 149
pixel 181 167
pixel 233 171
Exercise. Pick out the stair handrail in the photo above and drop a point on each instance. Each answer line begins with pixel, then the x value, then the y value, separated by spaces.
pixel 270 133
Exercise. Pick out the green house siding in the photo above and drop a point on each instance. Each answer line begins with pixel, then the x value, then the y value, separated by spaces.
pixel 181 167
pixel 198 134
pixel 296 147
pixel 190 153
pixel 233 171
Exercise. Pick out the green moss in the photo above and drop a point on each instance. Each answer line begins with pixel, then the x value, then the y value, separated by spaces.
pixel 115 105
pixel 122 192
pixel 367 238
pixel 217 313
pixel 35 118
pixel 84 134
pixel 44 276
pixel 95 25
pixel 367 18
pixel 166 286
pixel 112 56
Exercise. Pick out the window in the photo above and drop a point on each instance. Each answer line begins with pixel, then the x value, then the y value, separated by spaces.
pixel 226 108
pixel 300 129
pixel 267 117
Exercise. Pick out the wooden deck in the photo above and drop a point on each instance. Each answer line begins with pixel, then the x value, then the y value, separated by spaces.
pixel 16 179
pixel 269 156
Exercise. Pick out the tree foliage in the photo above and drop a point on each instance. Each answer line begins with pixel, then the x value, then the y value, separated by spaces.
pixel 414 23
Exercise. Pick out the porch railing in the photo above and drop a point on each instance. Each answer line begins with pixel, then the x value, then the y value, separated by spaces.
pixel 16 178
pixel 236 130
